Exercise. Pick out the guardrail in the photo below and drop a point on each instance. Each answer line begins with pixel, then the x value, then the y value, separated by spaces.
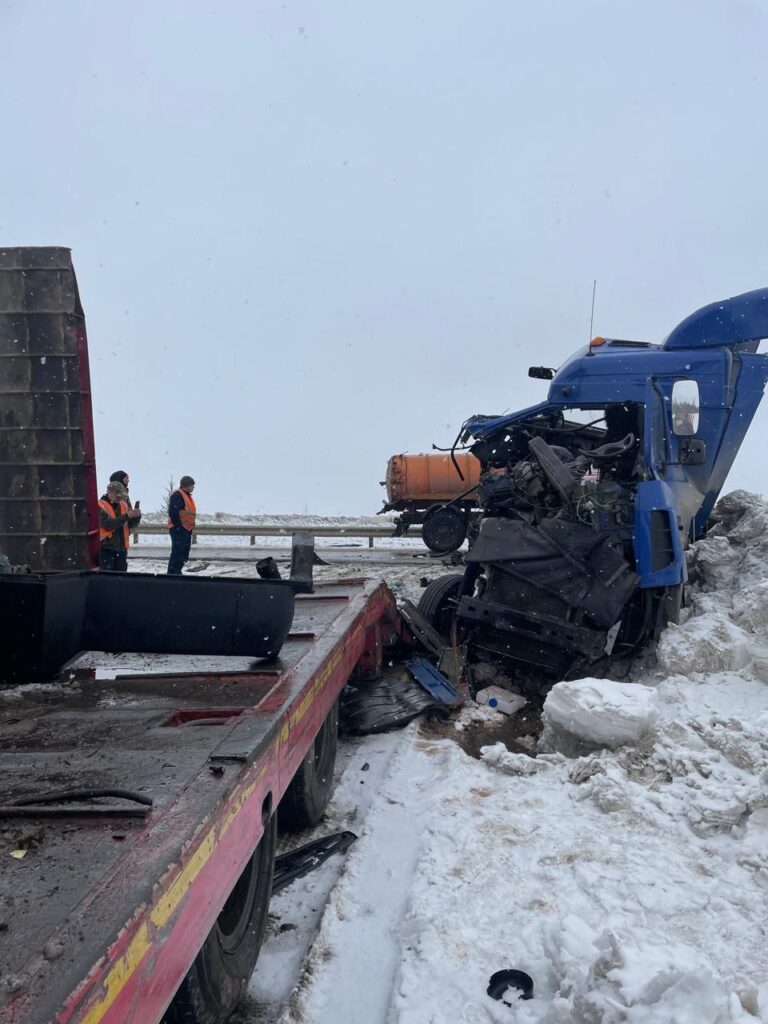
pixel 254 530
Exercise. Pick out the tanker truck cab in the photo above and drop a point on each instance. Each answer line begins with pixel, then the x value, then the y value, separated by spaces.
pixel 590 498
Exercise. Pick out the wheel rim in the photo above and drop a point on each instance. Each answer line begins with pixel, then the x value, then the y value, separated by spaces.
pixel 445 530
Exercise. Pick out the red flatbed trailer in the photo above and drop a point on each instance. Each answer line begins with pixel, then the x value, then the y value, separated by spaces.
pixel 106 912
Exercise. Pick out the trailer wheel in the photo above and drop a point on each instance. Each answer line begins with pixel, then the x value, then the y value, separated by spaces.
pixel 438 602
pixel 217 980
pixel 444 530
pixel 310 788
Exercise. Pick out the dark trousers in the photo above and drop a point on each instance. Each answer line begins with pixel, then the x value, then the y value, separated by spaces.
pixel 113 560
pixel 181 540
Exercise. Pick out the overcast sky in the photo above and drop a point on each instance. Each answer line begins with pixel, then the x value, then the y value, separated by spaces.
pixel 310 235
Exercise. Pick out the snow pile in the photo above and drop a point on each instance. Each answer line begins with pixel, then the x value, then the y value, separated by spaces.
pixel 497 756
pixel 630 883
pixel 589 713
pixel 729 627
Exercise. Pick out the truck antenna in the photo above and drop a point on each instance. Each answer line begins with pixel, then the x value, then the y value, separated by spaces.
pixel 592 316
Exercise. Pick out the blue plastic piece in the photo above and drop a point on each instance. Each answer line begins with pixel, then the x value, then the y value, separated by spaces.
pixel 432 680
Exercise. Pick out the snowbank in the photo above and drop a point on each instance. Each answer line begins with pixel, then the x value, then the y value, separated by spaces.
pixel 591 713
pixel 630 883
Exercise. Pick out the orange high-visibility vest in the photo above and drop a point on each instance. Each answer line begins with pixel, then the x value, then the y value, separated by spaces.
pixel 186 514
pixel 107 509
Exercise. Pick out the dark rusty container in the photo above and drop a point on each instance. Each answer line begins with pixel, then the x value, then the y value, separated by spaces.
pixel 48 512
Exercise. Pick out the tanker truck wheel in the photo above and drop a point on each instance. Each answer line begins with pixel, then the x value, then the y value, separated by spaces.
pixel 218 978
pixel 444 530
pixel 438 602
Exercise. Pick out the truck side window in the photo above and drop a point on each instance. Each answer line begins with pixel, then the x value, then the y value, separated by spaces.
pixel 685 407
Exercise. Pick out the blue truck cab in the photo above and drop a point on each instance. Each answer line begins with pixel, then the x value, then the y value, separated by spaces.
pixel 590 497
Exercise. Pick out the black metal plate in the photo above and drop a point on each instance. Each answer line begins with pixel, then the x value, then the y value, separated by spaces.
pixel 45 620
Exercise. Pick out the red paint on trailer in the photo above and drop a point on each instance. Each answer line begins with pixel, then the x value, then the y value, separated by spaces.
pixel 146 963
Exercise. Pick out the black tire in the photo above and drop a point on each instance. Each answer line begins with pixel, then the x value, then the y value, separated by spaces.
pixel 218 979
pixel 438 602
pixel 444 530
pixel 310 788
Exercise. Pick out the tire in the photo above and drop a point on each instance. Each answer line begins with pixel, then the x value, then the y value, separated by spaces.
pixel 444 530
pixel 310 788
pixel 218 979
pixel 438 605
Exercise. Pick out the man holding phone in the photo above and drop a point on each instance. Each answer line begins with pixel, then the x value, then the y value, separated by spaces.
pixel 121 477
pixel 115 520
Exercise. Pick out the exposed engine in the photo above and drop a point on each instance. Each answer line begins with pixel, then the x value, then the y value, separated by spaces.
pixel 550 575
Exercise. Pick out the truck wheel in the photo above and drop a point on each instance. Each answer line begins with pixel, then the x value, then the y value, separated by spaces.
pixel 310 788
pixel 218 979
pixel 444 530
pixel 438 602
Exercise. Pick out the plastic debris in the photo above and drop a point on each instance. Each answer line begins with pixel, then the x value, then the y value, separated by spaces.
pixel 433 681
pixel 500 699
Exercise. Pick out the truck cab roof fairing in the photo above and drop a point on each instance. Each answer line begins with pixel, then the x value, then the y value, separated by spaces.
pixel 740 320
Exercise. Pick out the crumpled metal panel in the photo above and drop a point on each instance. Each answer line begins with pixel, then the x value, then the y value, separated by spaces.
pixel 48 511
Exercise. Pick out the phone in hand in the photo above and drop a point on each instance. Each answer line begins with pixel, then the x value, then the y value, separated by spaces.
pixel 136 505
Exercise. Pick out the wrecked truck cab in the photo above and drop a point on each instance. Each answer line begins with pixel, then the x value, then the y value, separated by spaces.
pixel 590 498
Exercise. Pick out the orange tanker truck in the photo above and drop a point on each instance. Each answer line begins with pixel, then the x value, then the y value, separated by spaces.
pixel 437 491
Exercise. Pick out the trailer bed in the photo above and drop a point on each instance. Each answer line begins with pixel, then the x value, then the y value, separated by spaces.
pixel 102 915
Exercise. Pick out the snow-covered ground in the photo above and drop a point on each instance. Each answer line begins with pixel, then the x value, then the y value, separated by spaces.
pixel 630 883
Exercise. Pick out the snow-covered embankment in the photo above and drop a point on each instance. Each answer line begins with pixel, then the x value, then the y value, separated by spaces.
pixel 631 883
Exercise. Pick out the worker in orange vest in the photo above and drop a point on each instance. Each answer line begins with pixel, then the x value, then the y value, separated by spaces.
pixel 181 523
pixel 115 520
